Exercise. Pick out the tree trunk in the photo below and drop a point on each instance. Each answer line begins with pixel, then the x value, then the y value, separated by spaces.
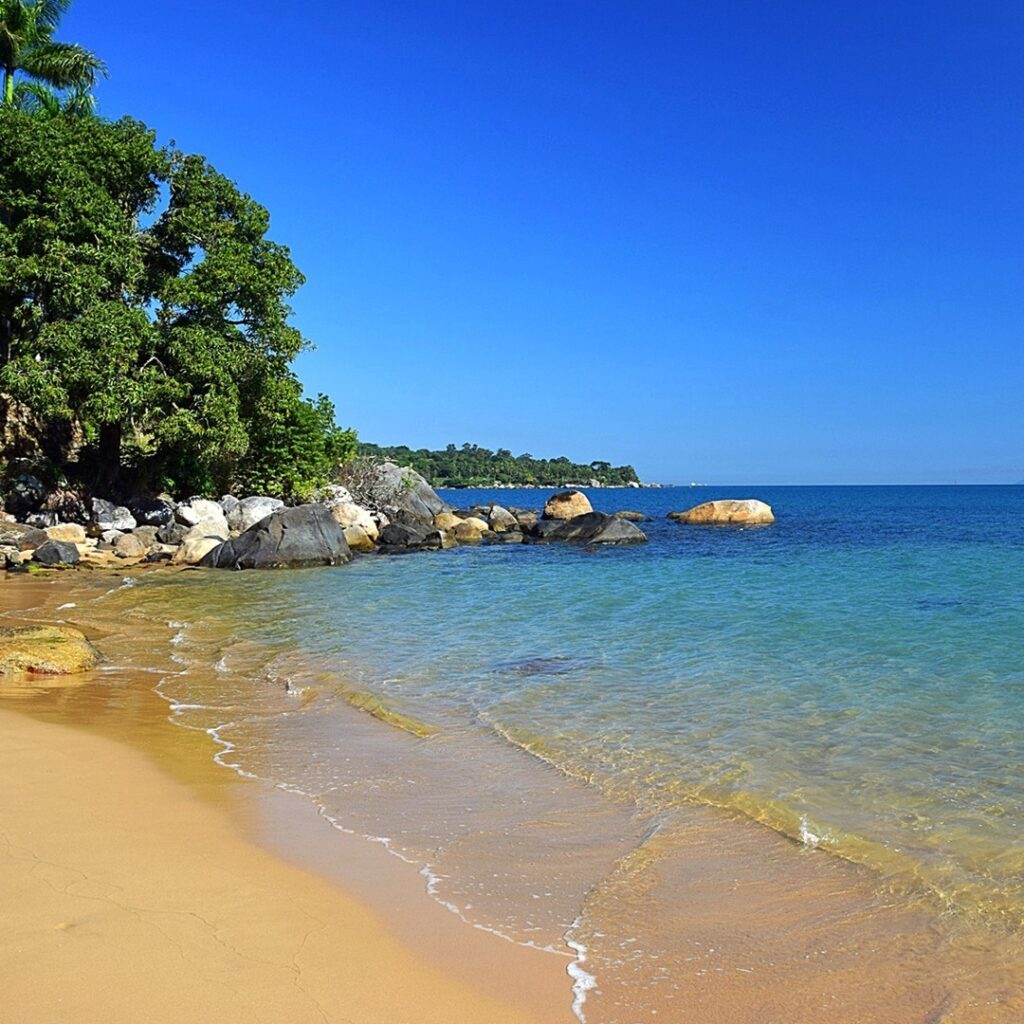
pixel 109 469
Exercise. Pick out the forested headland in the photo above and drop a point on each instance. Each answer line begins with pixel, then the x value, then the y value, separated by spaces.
pixel 473 466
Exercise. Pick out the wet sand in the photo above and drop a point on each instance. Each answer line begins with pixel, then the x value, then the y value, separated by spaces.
pixel 134 886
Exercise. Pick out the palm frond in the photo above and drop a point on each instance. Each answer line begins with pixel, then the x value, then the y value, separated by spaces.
pixel 49 12
pixel 36 98
pixel 63 65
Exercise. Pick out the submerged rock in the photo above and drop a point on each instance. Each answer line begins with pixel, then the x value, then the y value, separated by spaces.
pixel 746 511
pixel 287 538
pixel 45 650
pixel 567 505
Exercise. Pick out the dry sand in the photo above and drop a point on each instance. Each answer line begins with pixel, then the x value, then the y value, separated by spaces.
pixel 126 897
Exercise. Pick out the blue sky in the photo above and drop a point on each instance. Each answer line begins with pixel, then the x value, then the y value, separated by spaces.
pixel 734 242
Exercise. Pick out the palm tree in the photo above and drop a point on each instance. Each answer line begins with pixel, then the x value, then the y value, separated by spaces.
pixel 27 47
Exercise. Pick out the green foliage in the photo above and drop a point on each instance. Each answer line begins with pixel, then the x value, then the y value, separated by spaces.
pixel 27 48
pixel 141 300
pixel 472 466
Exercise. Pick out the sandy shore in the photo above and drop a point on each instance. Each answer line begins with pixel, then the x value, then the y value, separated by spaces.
pixel 139 881
pixel 127 897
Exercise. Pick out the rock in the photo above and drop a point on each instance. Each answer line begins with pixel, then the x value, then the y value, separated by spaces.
pixel 526 519
pixel 195 546
pixel 746 511
pixel 73 533
pixel 409 536
pixel 172 533
pixel 22 537
pixel 42 520
pixel 147 534
pixel 470 531
pixel 210 512
pixel 45 650
pixel 151 511
pixel 10 557
pixel 185 515
pixel 207 519
pixel 500 519
pixel 634 517
pixel 545 529
pixel 110 537
pixel 504 537
pixel 446 520
pixel 567 505
pixel 228 503
pixel 67 504
pixel 249 511
pixel 348 513
pixel 160 553
pixel 129 545
pixel 390 487
pixel 287 538
pixel 335 494
pixel 599 528
pixel 105 515
pixel 358 539
pixel 24 495
pixel 56 552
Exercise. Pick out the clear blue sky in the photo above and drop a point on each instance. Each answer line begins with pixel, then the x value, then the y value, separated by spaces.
pixel 731 242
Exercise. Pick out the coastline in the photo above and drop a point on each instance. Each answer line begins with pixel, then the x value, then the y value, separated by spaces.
pixel 140 881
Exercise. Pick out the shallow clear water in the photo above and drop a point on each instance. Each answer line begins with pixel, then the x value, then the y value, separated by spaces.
pixel 850 676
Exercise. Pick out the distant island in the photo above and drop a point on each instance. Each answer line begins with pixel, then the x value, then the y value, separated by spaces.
pixel 473 466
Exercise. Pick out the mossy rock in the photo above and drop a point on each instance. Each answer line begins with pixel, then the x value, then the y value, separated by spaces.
pixel 45 650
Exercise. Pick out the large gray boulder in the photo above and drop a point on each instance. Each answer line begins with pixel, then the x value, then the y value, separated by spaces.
pixel 249 511
pixel 590 528
pixel 151 511
pixel 105 515
pixel 396 537
pixel 22 537
pixel 56 552
pixel 391 488
pixel 287 538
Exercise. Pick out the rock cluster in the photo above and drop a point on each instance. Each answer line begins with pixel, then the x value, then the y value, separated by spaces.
pixel 394 512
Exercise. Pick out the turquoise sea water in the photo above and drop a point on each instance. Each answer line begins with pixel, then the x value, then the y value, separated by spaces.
pixel 851 676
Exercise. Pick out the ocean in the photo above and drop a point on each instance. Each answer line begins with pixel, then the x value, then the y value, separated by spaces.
pixel 731 768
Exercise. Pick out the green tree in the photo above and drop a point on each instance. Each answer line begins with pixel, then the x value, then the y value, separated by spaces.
pixel 142 303
pixel 27 47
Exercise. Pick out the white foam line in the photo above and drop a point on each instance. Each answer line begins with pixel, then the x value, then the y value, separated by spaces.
pixel 63 607
pixel 582 980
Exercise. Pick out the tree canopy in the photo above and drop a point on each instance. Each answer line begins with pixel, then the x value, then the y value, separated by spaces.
pixel 473 466
pixel 144 310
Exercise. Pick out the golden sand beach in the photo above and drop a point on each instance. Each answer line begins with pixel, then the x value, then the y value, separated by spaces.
pixel 134 889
